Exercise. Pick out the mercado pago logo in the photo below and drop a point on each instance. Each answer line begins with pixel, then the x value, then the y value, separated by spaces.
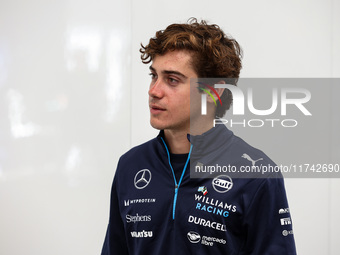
pixel 296 97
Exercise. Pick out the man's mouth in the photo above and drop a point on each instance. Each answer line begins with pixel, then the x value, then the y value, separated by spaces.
pixel 154 109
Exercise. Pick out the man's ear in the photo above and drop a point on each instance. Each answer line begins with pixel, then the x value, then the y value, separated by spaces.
pixel 220 90
pixel 216 91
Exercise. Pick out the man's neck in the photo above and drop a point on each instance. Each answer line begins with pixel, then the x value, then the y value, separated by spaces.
pixel 177 141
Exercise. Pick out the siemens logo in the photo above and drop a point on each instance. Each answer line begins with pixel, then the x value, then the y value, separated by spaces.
pixel 137 218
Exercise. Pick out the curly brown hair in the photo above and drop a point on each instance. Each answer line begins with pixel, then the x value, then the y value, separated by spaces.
pixel 214 54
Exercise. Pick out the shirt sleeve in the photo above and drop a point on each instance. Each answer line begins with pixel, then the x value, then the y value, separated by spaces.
pixel 115 240
pixel 268 223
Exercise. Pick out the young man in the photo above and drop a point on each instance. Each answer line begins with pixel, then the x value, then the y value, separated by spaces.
pixel 156 208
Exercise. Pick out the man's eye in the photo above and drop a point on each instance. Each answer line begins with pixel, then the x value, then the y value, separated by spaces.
pixel 172 81
pixel 153 76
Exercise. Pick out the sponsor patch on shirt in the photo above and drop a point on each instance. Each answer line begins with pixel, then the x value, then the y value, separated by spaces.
pixel 207 223
pixel 196 238
pixel 141 234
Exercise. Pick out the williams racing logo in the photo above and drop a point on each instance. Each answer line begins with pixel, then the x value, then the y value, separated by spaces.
pixel 213 205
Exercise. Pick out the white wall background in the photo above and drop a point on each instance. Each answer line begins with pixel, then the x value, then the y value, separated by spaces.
pixel 73 98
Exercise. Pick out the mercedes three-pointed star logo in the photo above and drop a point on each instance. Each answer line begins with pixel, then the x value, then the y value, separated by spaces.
pixel 142 178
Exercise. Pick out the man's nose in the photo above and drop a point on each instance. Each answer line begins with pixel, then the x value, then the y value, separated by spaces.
pixel 156 89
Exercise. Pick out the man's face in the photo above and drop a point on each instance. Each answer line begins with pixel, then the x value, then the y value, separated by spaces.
pixel 169 93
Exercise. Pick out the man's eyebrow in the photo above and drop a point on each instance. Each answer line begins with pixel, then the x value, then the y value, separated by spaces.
pixel 169 72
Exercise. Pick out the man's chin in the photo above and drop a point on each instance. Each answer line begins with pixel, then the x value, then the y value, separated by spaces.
pixel 156 125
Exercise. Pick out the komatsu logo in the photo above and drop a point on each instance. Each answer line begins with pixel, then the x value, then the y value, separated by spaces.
pixel 141 234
